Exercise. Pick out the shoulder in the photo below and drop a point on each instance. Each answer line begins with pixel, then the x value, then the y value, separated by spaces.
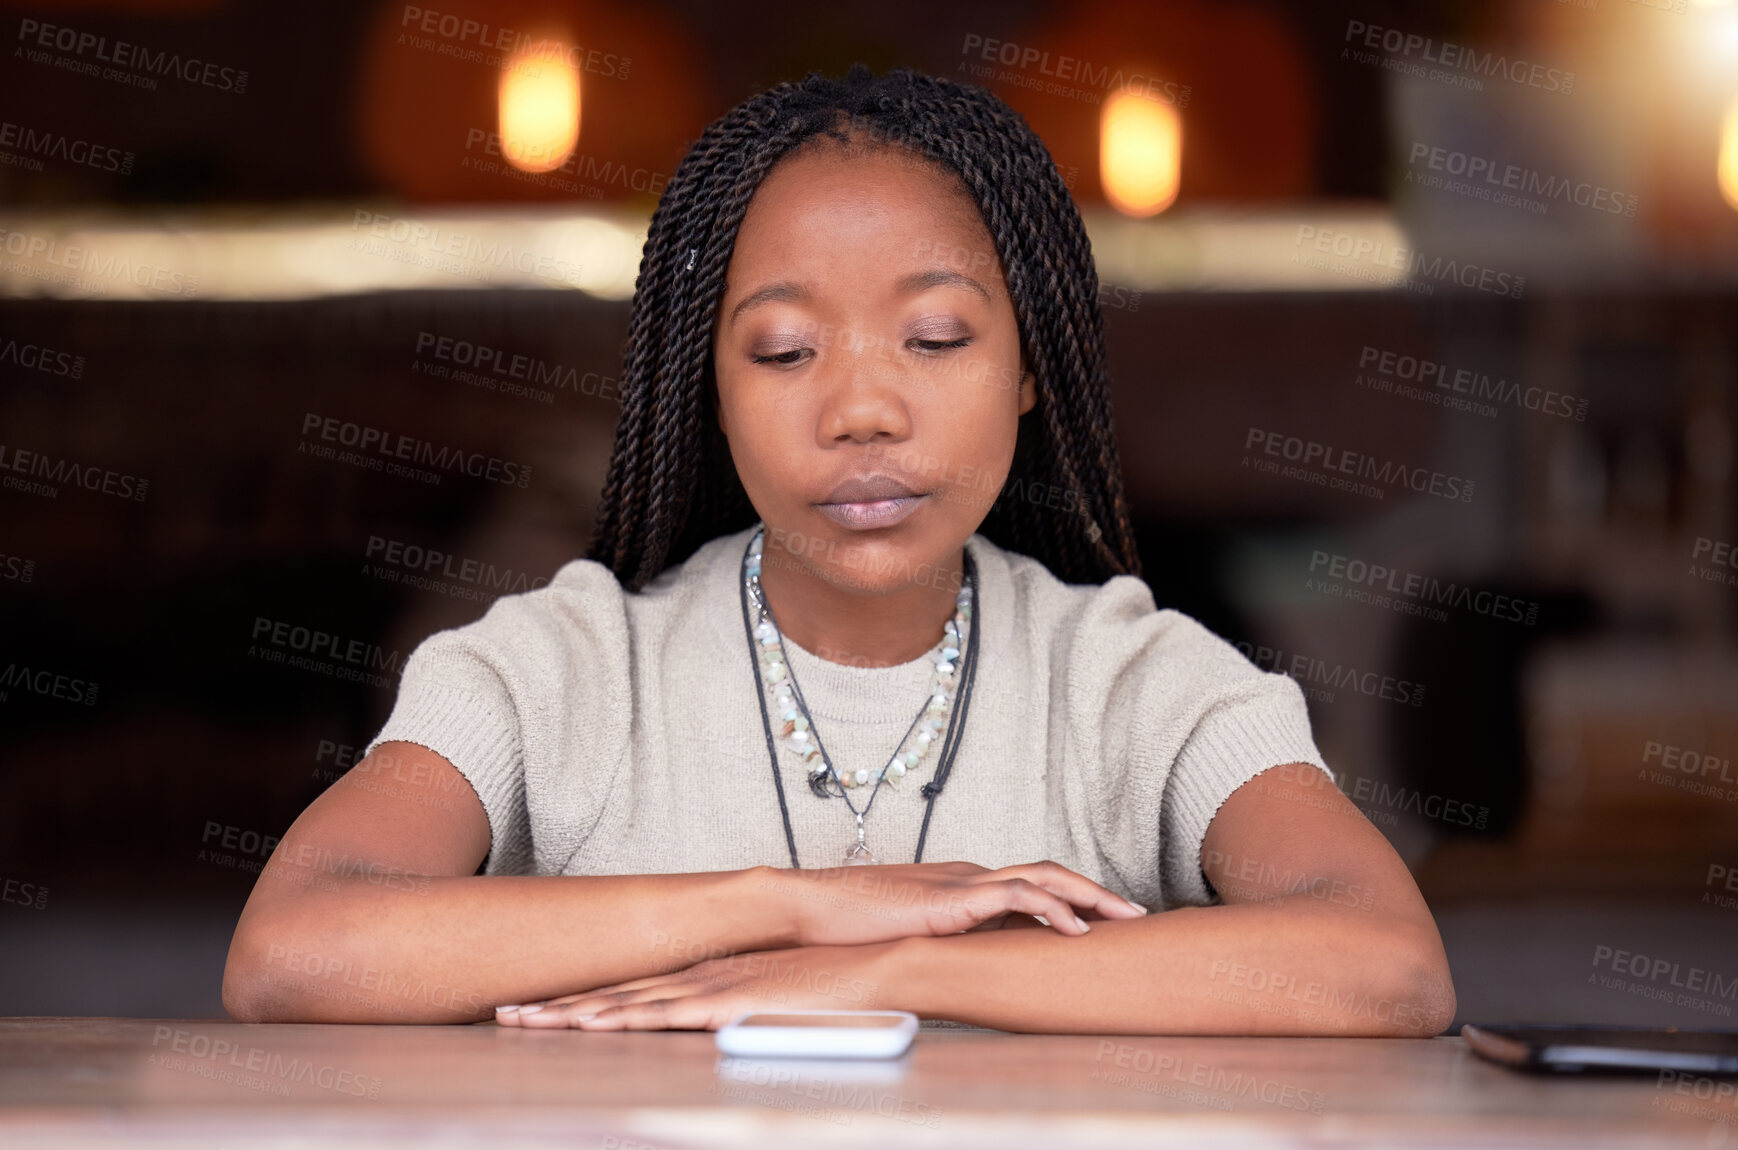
pixel 582 618
pixel 581 607
pixel 1113 629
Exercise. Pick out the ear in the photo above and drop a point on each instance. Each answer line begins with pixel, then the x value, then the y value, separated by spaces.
pixel 1028 392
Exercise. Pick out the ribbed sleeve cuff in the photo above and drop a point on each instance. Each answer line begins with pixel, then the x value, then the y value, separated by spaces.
pixel 1225 751
pixel 469 733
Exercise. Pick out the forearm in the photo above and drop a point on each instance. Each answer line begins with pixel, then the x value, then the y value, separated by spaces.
pixel 1291 967
pixel 421 949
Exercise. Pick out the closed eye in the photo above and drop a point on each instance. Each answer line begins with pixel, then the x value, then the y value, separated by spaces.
pixel 781 359
pixel 938 344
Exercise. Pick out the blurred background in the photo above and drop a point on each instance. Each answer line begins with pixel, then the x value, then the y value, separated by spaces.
pixel 1483 254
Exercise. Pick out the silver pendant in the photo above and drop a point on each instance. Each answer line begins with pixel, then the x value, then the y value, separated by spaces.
pixel 858 854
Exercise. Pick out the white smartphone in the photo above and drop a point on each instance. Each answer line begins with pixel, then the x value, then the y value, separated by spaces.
pixel 820 1034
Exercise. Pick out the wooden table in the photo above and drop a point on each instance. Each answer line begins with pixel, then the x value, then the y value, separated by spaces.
pixel 106 1082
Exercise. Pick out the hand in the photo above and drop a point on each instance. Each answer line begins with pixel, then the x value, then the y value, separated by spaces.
pixel 709 994
pixel 854 906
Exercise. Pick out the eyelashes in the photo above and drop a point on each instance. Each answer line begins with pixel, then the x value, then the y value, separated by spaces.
pixel 795 356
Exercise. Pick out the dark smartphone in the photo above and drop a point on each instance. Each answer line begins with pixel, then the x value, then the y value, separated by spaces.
pixel 1603 1048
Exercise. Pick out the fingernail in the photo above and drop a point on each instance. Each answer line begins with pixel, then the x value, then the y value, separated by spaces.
pixel 533 1009
pixel 505 1009
pixel 1081 923
pixel 586 1017
pixel 1139 907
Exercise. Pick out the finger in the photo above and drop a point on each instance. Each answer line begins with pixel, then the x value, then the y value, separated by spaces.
pixel 639 983
pixel 583 1009
pixel 694 1012
pixel 1018 894
pixel 1080 891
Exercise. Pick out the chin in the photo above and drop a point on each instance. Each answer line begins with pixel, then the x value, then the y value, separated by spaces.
pixel 868 563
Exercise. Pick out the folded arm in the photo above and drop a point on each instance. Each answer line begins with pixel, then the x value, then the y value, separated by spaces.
pixel 1321 931
pixel 370 909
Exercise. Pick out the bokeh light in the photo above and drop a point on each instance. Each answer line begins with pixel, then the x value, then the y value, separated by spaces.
pixel 538 109
pixel 1140 154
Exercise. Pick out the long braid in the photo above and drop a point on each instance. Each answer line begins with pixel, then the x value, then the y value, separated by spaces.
pixel 671 485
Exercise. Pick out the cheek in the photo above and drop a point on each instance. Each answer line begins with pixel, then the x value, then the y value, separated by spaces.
pixel 761 435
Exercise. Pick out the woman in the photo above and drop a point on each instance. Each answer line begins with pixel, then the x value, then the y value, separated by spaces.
pixel 697 763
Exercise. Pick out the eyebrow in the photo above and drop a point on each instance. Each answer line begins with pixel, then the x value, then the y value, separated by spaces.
pixel 940 277
pixel 786 292
pixel 790 292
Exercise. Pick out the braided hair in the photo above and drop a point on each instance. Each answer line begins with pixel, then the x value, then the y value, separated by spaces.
pixel 672 486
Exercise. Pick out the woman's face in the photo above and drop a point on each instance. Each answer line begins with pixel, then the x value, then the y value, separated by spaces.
pixel 868 362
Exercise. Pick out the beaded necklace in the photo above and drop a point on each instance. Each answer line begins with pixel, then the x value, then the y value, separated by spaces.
pixel 779 694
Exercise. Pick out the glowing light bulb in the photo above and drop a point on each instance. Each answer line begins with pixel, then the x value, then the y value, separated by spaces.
pixel 539 107
pixel 1728 170
pixel 1140 154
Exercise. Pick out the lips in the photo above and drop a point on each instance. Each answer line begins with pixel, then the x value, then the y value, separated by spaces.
pixel 869 489
pixel 866 502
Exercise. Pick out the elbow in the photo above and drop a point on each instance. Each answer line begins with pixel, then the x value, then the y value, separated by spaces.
pixel 1426 1005
pixel 248 992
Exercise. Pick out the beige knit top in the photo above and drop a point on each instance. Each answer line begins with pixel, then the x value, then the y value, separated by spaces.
pixel 616 733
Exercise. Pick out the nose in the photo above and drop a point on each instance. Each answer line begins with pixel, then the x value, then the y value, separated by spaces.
pixel 865 400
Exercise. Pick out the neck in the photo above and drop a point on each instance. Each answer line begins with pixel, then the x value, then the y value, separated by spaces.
pixel 850 625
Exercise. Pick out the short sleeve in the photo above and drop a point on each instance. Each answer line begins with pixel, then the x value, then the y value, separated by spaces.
pixel 522 702
pixel 454 700
pixel 1250 721
pixel 1174 720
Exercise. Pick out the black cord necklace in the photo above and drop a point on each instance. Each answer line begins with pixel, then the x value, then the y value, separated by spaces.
pixel 826 782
